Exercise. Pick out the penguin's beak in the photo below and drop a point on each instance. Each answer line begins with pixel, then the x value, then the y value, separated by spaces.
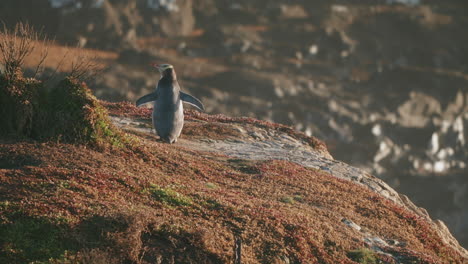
pixel 155 65
pixel 162 67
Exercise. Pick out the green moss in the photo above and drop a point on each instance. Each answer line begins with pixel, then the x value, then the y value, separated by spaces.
pixel 169 196
pixel 211 185
pixel 25 239
pixel 363 256
pixel 298 198
pixel 287 199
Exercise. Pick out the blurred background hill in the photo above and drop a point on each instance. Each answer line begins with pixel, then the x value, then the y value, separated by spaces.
pixel 384 83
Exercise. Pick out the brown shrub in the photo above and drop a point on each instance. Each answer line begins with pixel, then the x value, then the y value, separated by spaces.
pixel 18 104
pixel 76 116
pixel 69 112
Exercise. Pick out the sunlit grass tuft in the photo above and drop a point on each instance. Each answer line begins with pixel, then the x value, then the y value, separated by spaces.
pixel 168 196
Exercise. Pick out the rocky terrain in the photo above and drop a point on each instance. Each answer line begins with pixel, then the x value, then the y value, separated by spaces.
pixel 383 83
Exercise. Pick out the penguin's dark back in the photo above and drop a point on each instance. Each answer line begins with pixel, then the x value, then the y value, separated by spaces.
pixel 168 93
pixel 170 74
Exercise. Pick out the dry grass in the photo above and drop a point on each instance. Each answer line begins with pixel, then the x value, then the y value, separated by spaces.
pixel 77 63
pixel 17 44
pixel 57 53
pixel 25 48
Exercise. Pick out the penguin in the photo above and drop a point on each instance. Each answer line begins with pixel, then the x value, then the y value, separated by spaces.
pixel 168 111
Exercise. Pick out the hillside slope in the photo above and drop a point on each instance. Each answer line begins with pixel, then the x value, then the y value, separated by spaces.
pixel 232 189
pixel 384 83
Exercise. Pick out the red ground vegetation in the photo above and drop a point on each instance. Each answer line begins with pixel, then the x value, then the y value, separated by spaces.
pixel 165 202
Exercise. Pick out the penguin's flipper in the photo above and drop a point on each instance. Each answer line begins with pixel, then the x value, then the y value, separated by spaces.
pixel 187 98
pixel 146 99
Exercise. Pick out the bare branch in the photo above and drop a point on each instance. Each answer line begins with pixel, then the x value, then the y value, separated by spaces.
pixel 58 66
pixel 85 67
pixel 44 53
pixel 16 45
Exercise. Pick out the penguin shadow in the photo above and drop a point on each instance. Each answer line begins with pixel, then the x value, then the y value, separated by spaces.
pixel 17 161
pixel 143 129
pixel 152 136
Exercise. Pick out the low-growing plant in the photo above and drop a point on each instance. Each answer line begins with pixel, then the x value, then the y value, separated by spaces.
pixel 77 116
pixel 363 256
pixel 298 198
pixel 212 204
pixel 27 239
pixel 287 199
pixel 211 185
pixel 18 104
pixel 168 196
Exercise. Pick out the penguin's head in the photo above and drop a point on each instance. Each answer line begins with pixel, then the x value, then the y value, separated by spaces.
pixel 165 70
pixel 163 67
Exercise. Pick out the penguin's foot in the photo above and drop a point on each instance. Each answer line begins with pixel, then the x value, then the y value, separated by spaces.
pixel 168 140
